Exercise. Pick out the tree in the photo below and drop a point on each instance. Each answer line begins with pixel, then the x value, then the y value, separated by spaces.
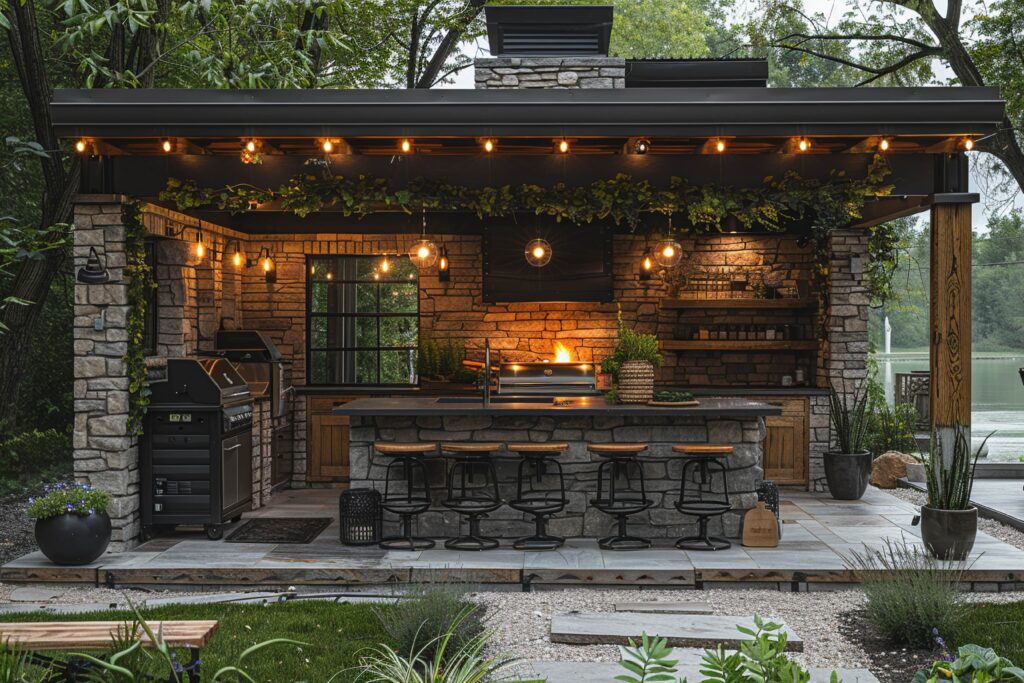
pixel 894 41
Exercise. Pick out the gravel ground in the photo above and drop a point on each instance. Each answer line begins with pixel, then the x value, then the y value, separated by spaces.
pixel 16 538
pixel 1006 534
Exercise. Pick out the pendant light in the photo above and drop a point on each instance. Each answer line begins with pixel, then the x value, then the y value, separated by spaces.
pixel 538 252
pixel 423 252
pixel 668 252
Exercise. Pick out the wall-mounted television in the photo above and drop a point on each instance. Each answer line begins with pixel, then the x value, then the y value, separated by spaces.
pixel 580 268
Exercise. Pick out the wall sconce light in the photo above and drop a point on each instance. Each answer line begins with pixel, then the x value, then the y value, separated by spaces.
pixel 237 258
pixel 93 272
pixel 646 266
pixel 267 264
pixel 444 273
pixel 538 252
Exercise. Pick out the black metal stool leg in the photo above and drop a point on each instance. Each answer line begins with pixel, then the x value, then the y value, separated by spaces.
pixel 539 504
pixel 620 504
pixel 407 505
pixel 473 501
pixel 703 508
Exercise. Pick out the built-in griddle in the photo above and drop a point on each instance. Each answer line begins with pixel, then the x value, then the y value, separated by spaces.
pixel 554 379
pixel 196 455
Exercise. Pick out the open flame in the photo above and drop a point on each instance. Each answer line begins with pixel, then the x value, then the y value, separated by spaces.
pixel 563 354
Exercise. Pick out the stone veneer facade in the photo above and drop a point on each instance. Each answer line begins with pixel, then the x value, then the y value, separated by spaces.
pixel 580 519
pixel 511 73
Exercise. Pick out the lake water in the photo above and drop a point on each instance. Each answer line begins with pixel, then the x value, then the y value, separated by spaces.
pixel 997 397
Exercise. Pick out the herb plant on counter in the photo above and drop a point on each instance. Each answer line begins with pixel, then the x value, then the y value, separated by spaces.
pixel 632 346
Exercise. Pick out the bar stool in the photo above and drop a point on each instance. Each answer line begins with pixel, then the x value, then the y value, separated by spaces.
pixel 620 503
pixel 414 500
pixel 541 503
pixel 704 462
pixel 472 499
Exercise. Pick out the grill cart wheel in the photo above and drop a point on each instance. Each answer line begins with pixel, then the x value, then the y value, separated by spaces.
pixel 214 532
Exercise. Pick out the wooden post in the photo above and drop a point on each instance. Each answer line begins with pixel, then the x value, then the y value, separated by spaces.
pixel 950 317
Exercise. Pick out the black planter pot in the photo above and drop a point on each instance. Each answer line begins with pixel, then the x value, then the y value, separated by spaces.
pixel 73 539
pixel 847 474
pixel 949 534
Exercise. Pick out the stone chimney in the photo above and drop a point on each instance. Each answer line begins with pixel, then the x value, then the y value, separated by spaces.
pixel 549 46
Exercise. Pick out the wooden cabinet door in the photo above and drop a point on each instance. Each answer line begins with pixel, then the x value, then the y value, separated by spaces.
pixel 328 448
pixel 786 443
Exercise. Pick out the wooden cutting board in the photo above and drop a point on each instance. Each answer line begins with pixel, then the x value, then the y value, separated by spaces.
pixel 760 528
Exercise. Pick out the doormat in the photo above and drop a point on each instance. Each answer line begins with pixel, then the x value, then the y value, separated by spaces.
pixel 279 530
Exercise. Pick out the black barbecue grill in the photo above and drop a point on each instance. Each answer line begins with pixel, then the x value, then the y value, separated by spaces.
pixel 260 364
pixel 196 455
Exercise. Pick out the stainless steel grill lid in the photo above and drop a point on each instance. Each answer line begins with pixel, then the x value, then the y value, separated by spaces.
pixel 547 378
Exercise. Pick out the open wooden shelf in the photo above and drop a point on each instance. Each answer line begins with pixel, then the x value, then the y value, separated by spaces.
pixel 750 304
pixel 739 345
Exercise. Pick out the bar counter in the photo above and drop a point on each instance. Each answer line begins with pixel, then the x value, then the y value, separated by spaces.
pixel 577 421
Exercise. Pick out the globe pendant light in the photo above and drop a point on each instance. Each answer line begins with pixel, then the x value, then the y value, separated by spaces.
pixel 668 252
pixel 423 252
pixel 538 252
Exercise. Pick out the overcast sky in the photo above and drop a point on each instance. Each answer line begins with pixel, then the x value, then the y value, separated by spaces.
pixel 833 10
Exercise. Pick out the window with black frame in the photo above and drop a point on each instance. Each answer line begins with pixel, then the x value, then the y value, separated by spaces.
pixel 362 315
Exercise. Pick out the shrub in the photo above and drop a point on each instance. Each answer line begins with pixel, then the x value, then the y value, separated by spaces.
pixel 65 499
pixel 31 457
pixel 909 593
pixel 890 428
pixel 416 625
pixel 972 663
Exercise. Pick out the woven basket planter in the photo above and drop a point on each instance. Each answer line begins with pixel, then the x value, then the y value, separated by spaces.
pixel 636 382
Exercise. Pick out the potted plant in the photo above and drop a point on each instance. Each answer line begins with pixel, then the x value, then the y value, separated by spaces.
pixel 632 363
pixel 72 526
pixel 441 366
pixel 949 522
pixel 848 465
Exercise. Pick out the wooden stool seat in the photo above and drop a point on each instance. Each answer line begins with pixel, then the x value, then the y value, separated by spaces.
pixel 470 447
pixel 702 448
pixel 404 447
pixel 616 448
pixel 538 447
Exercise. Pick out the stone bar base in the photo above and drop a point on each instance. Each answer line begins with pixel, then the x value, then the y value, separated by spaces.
pixel 661 467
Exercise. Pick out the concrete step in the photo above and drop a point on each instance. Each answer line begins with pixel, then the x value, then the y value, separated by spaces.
pixel 681 630
pixel 666 607
pixel 689 669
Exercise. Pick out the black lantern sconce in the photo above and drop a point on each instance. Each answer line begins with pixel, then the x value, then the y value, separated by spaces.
pixel 646 267
pixel 264 261
pixel 444 266
pixel 93 272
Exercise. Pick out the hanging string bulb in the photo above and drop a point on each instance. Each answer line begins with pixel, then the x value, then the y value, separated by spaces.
pixel 200 249
pixel 668 252
pixel 423 252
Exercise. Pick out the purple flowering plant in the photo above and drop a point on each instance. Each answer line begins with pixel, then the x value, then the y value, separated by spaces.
pixel 68 499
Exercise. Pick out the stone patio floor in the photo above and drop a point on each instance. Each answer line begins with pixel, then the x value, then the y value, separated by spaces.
pixel 817 532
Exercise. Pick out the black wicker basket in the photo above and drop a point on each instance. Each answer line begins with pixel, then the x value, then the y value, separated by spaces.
pixel 360 515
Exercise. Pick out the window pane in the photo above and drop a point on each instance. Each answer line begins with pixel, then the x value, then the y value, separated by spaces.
pixel 398 367
pixel 318 297
pixel 366 297
pixel 366 367
pixel 402 269
pixel 321 367
pixel 399 298
pixel 366 333
pixel 318 332
pixel 400 331
pixel 320 268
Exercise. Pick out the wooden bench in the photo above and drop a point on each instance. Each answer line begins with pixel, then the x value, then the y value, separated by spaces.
pixel 75 636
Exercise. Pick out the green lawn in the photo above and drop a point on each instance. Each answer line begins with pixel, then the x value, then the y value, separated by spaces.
pixel 336 633
pixel 999 626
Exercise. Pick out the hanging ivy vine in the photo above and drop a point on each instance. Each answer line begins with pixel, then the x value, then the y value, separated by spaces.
pixel 830 203
pixel 140 280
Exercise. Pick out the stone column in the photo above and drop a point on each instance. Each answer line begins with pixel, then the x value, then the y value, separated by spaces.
pixel 844 363
pixel 105 454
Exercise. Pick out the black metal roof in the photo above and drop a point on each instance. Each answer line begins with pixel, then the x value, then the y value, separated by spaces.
pixel 547 30
pixel 721 111
pixel 696 73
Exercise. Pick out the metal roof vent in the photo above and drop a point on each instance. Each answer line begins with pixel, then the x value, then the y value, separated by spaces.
pixel 549 30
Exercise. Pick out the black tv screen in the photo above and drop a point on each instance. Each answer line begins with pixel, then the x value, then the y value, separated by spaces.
pixel 580 268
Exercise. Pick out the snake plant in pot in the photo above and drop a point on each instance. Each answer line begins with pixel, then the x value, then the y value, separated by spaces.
pixel 848 465
pixel 949 522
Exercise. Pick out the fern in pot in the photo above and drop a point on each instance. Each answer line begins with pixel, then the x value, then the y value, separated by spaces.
pixel 949 521
pixel 848 464
pixel 632 364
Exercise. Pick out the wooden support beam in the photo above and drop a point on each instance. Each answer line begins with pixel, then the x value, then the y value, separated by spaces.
pixel 950 320
pixel 868 144
pixel 947 146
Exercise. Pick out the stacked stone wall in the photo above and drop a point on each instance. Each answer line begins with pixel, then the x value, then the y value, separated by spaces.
pixel 510 73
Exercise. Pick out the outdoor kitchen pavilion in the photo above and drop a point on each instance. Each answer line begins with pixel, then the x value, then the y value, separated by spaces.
pixel 712 122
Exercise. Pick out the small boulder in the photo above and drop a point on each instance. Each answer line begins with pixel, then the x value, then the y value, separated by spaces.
pixel 888 468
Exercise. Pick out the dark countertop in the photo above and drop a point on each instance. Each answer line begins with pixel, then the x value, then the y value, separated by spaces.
pixel 578 405
pixel 755 391
pixel 312 390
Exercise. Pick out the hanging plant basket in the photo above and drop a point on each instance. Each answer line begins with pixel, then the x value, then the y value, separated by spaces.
pixel 636 382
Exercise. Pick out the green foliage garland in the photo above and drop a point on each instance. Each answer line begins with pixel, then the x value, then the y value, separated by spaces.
pixel 140 280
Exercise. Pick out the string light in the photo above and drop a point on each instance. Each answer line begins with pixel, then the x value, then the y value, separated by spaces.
pixel 166 145
pixel 720 146
pixel 884 144
pixel 803 144
pixel 330 275
pixel 81 146
pixel 385 265
pixel 237 259
pixel 327 146
pixel 563 146
pixel 406 145
pixel 968 144
pixel 488 145
pixel 200 249
pixel 423 252
pixel 642 146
